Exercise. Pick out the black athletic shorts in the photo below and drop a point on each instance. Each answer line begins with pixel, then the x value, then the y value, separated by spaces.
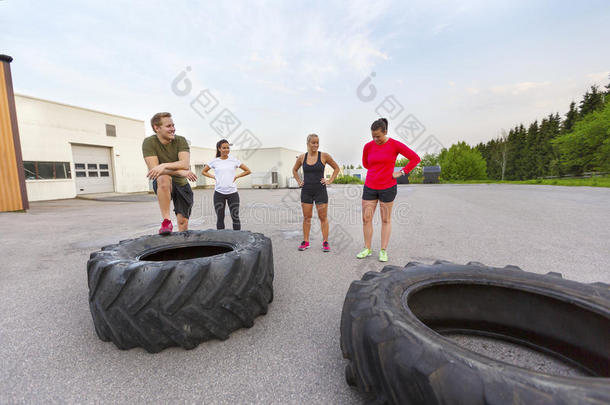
pixel 309 195
pixel 386 195
pixel 182 196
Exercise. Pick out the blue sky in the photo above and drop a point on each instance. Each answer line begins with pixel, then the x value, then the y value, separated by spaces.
pixel 464 69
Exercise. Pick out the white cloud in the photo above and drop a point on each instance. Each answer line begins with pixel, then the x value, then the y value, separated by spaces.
pixel 278 87
pixel 518 88
pixel 599 77
pixel 264 60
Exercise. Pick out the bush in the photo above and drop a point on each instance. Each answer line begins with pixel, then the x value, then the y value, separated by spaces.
pixel 461 162
pixel 348 180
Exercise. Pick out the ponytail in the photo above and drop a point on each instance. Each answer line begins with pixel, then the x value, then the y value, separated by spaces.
pixel 381 123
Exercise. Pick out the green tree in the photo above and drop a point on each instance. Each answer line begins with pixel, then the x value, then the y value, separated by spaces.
pixel 571 117
pixel 516 153
pixel 461 162
pixel 592 101
pixel 530 152
pixel 550 128
pixel 587 147
pixel 427 160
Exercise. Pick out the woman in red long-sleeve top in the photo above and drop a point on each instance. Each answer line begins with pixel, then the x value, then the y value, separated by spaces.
pixel 379 157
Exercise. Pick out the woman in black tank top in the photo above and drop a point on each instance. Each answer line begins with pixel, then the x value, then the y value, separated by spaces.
pixel 313 188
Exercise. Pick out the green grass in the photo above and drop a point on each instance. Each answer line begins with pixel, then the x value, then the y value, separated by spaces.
pixel 601 181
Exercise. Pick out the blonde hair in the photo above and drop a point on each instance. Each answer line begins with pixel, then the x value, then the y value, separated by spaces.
pixel 156 119
pixel 311 136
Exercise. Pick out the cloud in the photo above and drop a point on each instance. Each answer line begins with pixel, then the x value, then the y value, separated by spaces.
pixel 363 55
pixel 518 88
pixel 278 87
pixel 441 27
pixel 599 76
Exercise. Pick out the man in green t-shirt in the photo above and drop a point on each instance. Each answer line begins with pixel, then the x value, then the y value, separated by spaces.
pixel 167 156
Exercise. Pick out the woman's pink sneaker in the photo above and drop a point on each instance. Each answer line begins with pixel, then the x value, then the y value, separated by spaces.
pixel 325 247
pixel 304 245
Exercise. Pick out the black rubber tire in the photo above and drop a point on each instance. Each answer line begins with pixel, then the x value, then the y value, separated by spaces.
pixel 158 304
pixel 391 322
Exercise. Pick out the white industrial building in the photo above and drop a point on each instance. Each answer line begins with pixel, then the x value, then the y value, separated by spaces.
pixel 358 173
pixel 70 150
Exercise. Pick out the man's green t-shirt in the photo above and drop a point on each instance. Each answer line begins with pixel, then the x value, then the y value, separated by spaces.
pixel 166 153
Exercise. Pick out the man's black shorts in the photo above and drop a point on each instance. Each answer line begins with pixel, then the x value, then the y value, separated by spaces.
pixel 386 195
pixel 317 194
pixel 182 196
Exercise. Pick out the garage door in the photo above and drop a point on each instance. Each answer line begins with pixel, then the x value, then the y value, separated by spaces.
pixel 93 170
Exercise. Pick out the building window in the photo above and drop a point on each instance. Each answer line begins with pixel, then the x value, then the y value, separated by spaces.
pixel 46 170
pixel 110 130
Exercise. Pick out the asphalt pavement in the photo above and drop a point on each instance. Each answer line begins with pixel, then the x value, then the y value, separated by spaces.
pixel 49 352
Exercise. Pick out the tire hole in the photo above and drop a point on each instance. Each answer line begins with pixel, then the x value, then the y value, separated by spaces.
pixel 186 252
pixel 515 354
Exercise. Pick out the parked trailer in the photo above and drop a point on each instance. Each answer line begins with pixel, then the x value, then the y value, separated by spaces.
pixel 264 180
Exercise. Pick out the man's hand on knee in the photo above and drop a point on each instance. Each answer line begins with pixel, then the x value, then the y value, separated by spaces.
pixel 156 171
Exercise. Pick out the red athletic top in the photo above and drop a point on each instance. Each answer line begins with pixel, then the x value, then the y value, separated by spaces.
pixel 380 161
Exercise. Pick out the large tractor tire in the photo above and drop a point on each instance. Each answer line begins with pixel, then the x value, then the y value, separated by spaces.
pixel 392 325
pixel 179 290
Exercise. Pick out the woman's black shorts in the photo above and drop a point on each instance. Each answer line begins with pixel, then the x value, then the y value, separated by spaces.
pixel 386 195
pixel 309 195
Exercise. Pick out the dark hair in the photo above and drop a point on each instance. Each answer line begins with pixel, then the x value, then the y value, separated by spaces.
pixel 381 123
pixel 218 145
pixel 156 119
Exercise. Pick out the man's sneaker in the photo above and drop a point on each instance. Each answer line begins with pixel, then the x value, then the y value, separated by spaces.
pixel 304 245
pixel 365 253
pixel 166 227
pixel 325 247
pixel 383 255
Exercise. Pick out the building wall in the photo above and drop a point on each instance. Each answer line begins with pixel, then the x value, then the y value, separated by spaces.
pixel 356 172
pixel 48 130
pixel 267 159
pixel 199 158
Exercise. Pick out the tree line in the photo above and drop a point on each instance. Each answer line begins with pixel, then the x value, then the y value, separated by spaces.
pixel 574 144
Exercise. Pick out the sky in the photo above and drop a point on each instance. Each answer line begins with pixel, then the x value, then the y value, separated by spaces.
pixel 268 73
